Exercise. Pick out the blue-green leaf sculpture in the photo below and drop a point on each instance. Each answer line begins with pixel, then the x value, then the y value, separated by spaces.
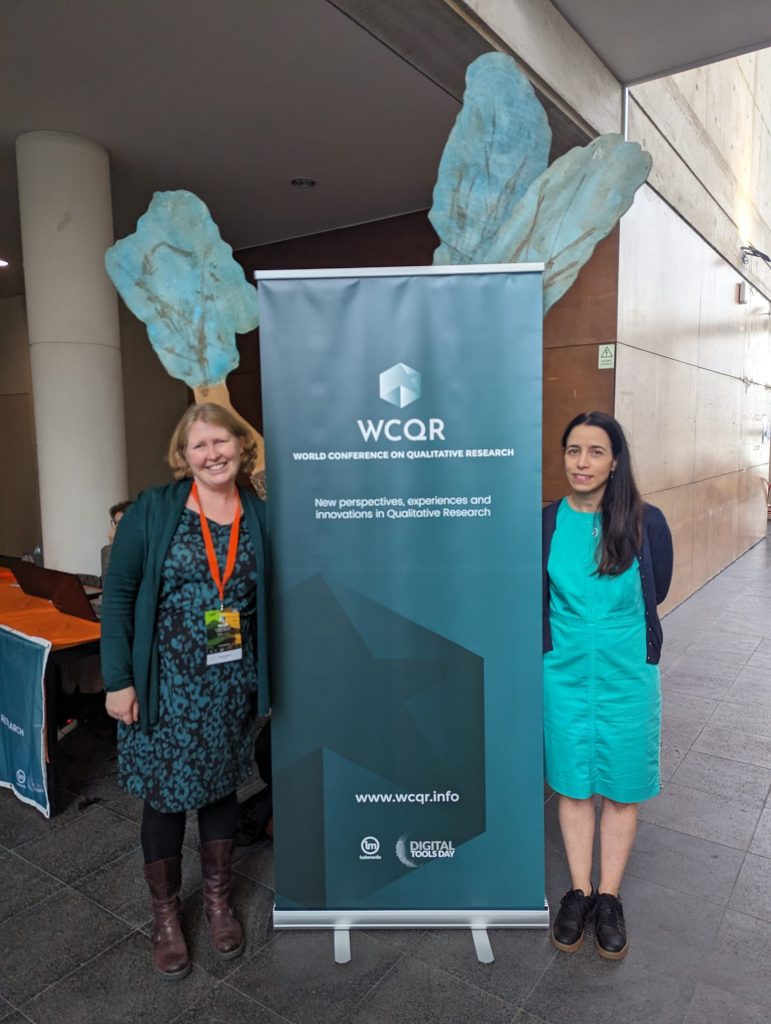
pixel 497 147
pixel 177 275
pixel 495 199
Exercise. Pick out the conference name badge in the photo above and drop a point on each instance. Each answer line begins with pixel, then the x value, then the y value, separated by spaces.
pixel 223 636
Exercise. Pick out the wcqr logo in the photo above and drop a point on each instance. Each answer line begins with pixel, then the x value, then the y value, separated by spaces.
pixel 401 385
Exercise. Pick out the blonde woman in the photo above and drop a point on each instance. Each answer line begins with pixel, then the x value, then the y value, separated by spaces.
pixel 184 663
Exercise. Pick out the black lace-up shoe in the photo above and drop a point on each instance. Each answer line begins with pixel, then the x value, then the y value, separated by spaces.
pixel 567 931
pixel 609 927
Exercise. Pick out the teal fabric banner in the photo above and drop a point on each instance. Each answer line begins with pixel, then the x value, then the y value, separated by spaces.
pixel 402 418
pixel 22 717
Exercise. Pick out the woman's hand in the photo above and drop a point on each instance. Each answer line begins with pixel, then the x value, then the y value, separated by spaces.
pixel 123 705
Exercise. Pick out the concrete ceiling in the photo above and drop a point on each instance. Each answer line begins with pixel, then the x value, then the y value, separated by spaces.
pixel 642 40
pixel 228 98
pixel 233 98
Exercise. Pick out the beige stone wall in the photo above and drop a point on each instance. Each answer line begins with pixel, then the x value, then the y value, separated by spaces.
pixel 709 131
pixel 693 373
pixel 19 501
pixel 692 378
pixel 553 54
pixel 694 367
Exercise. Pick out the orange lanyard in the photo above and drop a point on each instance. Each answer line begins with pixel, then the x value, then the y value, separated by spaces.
pixel 214 569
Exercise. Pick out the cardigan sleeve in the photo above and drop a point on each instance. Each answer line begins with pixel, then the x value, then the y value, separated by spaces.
pixel 660 541
pixel 548 525
pixel 263 516
pixel 256 515
pixel 120 591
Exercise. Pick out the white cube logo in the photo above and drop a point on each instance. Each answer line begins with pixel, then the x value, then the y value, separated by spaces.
pixel 400 385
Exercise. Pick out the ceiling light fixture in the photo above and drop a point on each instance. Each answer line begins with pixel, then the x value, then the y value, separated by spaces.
pixel 303 182
pixel 3 263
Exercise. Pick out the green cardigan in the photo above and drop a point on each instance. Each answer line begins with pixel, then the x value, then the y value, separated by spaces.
pixel 129 647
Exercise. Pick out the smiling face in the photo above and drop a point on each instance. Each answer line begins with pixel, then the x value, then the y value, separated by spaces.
pixel 213 454
pixel 589 462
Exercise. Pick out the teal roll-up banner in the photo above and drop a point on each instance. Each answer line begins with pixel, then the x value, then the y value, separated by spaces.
pixel 402 418
pixel 22 717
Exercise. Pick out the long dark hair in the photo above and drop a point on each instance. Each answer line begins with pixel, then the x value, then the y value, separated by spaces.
pixel 621 505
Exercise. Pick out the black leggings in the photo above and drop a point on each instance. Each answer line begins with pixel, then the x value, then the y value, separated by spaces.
pixel 162 833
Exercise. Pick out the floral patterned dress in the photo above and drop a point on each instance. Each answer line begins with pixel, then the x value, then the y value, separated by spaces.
pixel 203 745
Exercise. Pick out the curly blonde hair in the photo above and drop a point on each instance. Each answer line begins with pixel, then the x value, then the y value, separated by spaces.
pixel 220 417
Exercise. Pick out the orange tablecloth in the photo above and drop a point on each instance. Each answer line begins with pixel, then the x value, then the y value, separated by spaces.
pixel 37 617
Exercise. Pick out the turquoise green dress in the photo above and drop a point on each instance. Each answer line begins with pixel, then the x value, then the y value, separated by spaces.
pixel 602 700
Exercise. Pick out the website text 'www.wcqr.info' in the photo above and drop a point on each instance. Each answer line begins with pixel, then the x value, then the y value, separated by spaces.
pixel 435 797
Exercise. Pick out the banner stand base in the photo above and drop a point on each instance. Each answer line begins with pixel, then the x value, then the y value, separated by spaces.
pixel 477 921
pixel 482 945
pixel 481 939
pixel 342 946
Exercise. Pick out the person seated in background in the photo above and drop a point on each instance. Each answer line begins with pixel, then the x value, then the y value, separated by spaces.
pixel 82 685
pixel 116 514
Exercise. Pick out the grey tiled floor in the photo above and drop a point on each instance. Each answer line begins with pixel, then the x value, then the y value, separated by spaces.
pixel 74 917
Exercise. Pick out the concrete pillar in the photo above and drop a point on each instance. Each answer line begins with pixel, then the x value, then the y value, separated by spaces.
pixel 72 315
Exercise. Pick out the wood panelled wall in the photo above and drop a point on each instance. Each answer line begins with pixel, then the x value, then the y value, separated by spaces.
pixel 692 375
pixel 692 368
pixel 405 241
pixel 573 331
pixel 153 402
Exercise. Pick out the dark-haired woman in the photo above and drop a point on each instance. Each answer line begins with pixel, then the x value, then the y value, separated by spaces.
pixel 607 565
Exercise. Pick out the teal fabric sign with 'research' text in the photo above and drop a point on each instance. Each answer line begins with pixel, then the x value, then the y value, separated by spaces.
pixel 402 420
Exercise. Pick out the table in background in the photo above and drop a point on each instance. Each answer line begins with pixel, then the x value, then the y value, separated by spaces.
pixel 71 638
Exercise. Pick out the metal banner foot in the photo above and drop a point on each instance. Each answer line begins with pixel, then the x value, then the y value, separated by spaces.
pixel 482 945
pixel 343 946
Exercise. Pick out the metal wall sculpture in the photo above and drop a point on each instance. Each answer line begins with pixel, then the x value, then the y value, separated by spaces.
pixel 495 199
pixel 177 275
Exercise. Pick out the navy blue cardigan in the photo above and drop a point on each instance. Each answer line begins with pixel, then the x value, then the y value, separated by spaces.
pixel 655 559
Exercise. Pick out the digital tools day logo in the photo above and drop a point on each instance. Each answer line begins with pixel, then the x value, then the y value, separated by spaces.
pixel 370 848
pixel 411 851
pixel 400 385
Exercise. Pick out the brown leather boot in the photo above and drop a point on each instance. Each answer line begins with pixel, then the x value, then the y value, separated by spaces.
pixel 164 879
pixel 226 935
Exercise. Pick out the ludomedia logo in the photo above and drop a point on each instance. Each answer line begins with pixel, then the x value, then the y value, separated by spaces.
pixel 412 851
pixel 370 848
